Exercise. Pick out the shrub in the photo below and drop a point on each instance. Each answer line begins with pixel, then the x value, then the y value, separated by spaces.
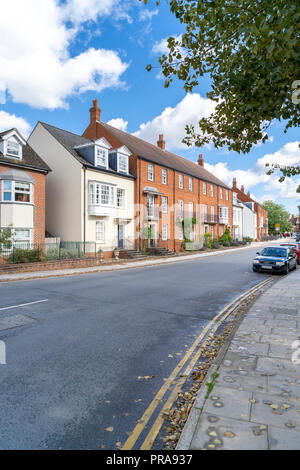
pixel 215 245
pixel 207 241
pixel 25 256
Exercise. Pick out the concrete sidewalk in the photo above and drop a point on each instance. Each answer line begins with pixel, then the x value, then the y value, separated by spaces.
pixel 125 265
pixel 255 401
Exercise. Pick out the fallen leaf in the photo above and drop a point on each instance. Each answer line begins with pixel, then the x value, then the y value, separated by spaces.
pixel 110 429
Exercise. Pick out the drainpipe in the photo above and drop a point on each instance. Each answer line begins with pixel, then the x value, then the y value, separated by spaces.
pixel 84 206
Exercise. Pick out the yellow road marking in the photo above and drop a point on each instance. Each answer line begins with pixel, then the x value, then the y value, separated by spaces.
pixel 156 401
pixel 151 436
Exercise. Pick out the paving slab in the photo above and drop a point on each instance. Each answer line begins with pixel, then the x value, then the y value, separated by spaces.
pixel 215 433
pixel 255 402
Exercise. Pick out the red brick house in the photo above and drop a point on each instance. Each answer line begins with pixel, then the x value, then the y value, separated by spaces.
pixel 168 188
pixel 261 213
pixel 22 189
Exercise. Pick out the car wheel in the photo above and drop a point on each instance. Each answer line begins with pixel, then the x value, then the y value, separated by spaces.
pixel 286 269
pixel 254 270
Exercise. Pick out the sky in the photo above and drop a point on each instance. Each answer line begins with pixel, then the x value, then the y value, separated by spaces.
pixel 56 56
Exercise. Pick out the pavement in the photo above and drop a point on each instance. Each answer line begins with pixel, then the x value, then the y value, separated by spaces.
pixel 125 265
pixel 255 400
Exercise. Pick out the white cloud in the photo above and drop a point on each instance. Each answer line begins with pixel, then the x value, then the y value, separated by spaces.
pixel 172 121
pixel 119 123
pixel 79 11
pixel 147 15
pixel 36 67
pixel 8 121
pixel 161 47
pixel 288 155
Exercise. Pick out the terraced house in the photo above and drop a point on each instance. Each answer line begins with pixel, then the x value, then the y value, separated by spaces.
pixel 169 189
pixel 90 192
pixel 22 190
pixel 261 227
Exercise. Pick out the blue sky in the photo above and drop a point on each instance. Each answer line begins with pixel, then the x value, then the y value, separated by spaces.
pixel 57 56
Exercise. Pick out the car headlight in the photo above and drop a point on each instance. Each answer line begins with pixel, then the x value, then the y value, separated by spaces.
pixel 279 263
pixel 255 261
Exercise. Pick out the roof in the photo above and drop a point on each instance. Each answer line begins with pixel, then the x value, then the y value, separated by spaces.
pixel 151 152
pixel 69 140
pixel 30 159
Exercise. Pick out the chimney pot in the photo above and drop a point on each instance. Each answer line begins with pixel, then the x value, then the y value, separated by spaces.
pixel 201 160
pixel 234 182
pixel 161 142
pixel 95 112
pixel 242 188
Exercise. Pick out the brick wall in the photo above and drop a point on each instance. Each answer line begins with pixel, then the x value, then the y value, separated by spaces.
pixel 39 201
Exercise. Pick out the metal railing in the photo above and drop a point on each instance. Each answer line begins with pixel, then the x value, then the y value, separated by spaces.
pixel 31 253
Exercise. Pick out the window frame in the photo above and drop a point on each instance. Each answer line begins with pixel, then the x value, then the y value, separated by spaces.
pixel 204 188
pixel 190 183
pixel 102 231
pixel 121 156
pixel 164 176
pixel 96 194
pixel 13 192
pixel 164 204
pixel 150 172
pixel 12 155
pixel 180 181
pixel 165 232
pixel 105 152
pixel 122 191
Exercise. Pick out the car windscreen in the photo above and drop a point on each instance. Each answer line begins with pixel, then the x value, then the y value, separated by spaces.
pixel 276 252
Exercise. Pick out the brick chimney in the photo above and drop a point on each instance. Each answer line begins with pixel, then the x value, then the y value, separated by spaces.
pixel 248 193
pixel 161 143
pixel 242 188
pixel 201 160
pixel 234 183
pixel 95 112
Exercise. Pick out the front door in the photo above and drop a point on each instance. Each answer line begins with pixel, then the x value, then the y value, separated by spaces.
pixel 152 236
pixel 121 236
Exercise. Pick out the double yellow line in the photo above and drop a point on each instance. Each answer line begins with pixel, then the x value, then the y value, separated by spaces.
pixel 210 328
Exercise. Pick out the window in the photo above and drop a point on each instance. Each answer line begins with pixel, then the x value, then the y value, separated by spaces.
pixel 102 194
pixel 150 205
pixel 191 209
pixel 221 193
pixel 16 191
pixel 181 233
pixel 181 181
pixel 221 230
pixel 101 157
pixel 205 212
pixel 212 231
pixel 165 232
pixel 123 164
pixel 211 190
pixel 227 195
pixel 164 176
pixel 212 212
pixel 191 184
pixel 22 238
pixel 234 196
pixel 180 208
pixel 150 173
pixel 120 198
pixel 13 149
pixel 100 232
pixel 223 212
pixel 204 188
pixel 164 206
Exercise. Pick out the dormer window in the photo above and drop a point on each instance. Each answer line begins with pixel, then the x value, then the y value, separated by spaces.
pixel 13 149
pixel 122 164
pixel 101 157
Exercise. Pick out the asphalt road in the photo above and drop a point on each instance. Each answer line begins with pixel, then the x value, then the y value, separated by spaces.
pixel 72 378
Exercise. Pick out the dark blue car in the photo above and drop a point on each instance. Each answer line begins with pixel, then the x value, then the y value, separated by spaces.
pixel 275 259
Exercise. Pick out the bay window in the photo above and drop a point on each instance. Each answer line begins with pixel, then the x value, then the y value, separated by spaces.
pixel 101 194
pixel 16 191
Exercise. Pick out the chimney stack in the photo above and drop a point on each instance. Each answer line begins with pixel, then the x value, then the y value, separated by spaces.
pixel 234 183
pixel 248 193
pixel 242 188
pixel 95 112
pixel 201 160
pixel 161 143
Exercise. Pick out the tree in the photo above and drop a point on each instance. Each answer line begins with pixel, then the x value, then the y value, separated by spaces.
pixel 251 51
pixel 277 215
pixel 5 237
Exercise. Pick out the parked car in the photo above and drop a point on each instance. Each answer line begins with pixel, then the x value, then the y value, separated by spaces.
pixel 295 247
pixel 280 259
